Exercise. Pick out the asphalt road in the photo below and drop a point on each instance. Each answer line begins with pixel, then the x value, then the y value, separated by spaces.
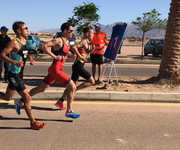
pixel 102 126
pixel 140 70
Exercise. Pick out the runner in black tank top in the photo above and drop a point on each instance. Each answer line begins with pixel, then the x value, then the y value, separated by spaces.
pixel 78 69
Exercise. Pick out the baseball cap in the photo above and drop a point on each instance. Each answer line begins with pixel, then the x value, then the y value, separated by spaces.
pixel 98 25
pixel 3 28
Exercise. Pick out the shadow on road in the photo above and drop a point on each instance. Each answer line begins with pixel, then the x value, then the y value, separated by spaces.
pixel 44 108
pixel 56 120
pixel 9 106
pixel 14 128
pixel 6 106
pixel 37 82
pixel 33 75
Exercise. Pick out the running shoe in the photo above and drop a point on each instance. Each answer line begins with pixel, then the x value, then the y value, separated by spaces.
pixel 98 82
pixel 37 125
pixel 60 105
pixel 17 103
pixel 72 115
pixel 21 102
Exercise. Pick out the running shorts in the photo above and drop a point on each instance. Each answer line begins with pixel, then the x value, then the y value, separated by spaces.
pixel 79 70
pixel 55 74
pixel 15 82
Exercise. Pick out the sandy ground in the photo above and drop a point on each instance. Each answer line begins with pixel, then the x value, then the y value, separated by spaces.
pixel 130 50
pixel 134 84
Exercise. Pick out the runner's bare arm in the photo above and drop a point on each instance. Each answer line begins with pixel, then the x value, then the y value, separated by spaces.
pixel 12 46
pixel 31 59
pixel 92 48
pixel 47 47
pixel 75 49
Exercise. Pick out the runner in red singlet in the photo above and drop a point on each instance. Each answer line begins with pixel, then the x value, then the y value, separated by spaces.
pixel 82 50
pixel 60 46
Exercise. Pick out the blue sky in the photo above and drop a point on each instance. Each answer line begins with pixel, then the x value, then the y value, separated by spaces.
pixel 45 14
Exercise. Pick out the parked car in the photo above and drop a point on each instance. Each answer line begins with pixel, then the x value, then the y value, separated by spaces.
pixel 154 47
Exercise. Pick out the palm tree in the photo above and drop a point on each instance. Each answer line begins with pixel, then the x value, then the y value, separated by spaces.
pixel 170 64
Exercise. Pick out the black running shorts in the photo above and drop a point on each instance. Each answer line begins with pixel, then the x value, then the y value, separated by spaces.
pixel 15 82
pixel 79 70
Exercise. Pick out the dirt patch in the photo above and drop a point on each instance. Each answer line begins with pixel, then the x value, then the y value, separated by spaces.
pixel 134 84
pixel 125 84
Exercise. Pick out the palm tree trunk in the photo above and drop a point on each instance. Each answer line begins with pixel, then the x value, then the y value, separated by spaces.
pixel 170 64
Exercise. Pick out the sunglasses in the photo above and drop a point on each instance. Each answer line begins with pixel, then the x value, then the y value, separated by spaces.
pixel 70 31
pixel 26 28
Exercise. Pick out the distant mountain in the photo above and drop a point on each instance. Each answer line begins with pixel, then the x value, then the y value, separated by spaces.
pixel 49 30
pixel 131 31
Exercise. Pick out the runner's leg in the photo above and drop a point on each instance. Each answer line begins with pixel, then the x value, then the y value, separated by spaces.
pixel 70 97
pixel 39 89
pixel 27 103
pixel 86 84
pixel 63 79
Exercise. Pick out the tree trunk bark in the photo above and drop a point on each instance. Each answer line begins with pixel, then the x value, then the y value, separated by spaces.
pixel 170 64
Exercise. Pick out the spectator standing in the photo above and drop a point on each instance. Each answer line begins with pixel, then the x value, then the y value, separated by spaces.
pixel 100 42
pixel 4 40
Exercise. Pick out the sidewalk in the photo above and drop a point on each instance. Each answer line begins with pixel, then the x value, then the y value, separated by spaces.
pixel 89 94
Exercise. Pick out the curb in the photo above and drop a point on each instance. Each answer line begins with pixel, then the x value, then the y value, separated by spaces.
pixel 112 96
